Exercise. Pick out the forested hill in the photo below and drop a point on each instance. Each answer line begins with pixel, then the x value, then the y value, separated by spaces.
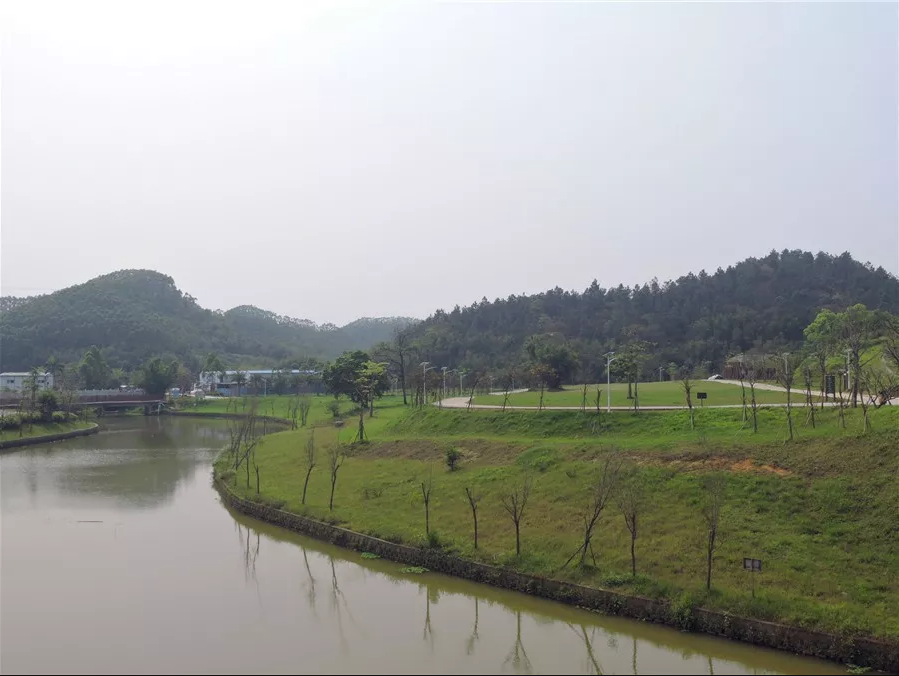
pixel 701 319
pixel 136 314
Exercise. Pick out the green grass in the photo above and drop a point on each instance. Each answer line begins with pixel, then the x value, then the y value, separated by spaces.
pixel 821 511
pixel 667 393
pixel 43 429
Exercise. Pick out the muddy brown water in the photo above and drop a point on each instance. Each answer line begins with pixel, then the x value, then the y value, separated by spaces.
pixel 118 556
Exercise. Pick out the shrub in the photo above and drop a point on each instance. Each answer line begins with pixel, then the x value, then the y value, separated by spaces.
pixel 453 456
pixel 48 403
pixel 333 407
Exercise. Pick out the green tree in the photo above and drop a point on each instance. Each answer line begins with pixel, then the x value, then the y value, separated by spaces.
pixel 155 377
pixel 821 340
pixel 48 404
pixel 55 368
pixel 552 357
pixel 94 370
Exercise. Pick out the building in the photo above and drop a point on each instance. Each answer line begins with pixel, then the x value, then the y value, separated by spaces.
pixel 261 381
pixel 15 381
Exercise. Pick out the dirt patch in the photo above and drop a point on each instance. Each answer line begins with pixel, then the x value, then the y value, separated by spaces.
pixel 715 464
pixel 427 450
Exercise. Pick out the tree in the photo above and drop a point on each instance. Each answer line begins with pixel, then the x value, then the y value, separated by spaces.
pixel 686 382
pixel 94 370
pixel 602 490
pixel 256 382
pixel 785 378
pixel 213 364
pixel 370 383
pixel 336 459
pixel 426 488
pixel 514 503
pixel 32 389
pixel 54 367
pixel 630 496
pixel 396 353
pixel 552 354
pixel 809 403
pixel 303 406
pixel 155 377
pixel 240 379
pixel 752 375
pixel 713 504
pixel 48 403
pixel 452 459
pixel 310 464
pixel 821 337
pixel 473 500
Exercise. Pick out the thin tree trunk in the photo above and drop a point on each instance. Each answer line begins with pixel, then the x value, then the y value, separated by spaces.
pixel 708 579
pixel 517 540
pixel 475 529
pixel 306 484
pixel 633 557
pixel 331 502
pixel 403 378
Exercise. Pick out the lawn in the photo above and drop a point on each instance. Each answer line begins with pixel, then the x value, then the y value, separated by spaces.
pixel 821 511
pixel 42 429
pixel 668 393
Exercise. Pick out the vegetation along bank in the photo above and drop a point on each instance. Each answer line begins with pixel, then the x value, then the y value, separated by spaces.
pixel 645 504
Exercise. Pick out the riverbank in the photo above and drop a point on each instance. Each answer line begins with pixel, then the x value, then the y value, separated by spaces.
pixel 861 651
pixel 811 509
pixel 46 433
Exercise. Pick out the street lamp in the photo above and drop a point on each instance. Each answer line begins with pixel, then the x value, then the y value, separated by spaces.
pixel 609 360
pixel 445 369
pixel 424 381
pixel 461 389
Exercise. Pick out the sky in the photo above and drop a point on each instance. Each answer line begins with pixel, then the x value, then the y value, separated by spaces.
pixel 335 160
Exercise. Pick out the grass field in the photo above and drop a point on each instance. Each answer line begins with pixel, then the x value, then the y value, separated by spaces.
pixel 822 512
pixel 666 393
pixel 43 429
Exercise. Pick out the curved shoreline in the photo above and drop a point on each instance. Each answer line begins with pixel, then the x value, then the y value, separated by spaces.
pixel 867 652
pixel 227 416
pixel 48 438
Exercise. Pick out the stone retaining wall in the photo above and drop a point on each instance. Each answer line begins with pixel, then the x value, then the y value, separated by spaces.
pixel 846 650
pixel 47 438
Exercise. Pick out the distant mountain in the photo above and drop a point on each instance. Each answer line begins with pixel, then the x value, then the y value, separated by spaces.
pixel 698 319
pixel 136 314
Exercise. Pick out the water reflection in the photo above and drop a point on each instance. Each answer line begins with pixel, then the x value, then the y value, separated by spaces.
pixel 152 576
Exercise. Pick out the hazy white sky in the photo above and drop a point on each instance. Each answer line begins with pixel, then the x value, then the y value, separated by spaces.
pixel 333 160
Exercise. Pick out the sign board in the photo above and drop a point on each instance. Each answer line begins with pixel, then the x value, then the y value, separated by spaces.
pixel 702 395
pixel 830 384
pixel 753 565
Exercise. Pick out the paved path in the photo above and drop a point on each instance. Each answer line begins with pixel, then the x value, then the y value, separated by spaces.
pixel 462 402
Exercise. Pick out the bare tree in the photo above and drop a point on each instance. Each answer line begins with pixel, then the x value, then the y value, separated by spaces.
pixel 514 503
pixel 505 397
pixel 715 491
pixel 469 647
pixel 841 403
pixel 863 378
pixel 518 657
pixel 397 354
pixel 742 377
pixel 310 462
pixel 426 488
pixel 471 394
pixel 473 500
pixel 542 391
pixel 336 459
pixel 256 467
pixel 630 497
pixel 785 378
pixel 584 399
pixel 601 492
pixel 752 375
pixel 687 385
pixel 809 403
pixel 304 405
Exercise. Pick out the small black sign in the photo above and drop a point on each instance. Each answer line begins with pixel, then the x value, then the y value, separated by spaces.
pixel 702 395
pixel 754 565
pixel 830 384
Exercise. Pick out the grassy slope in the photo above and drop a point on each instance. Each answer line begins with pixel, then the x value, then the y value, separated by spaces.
pixel 821 512
pixel 651 394
pixel 43 429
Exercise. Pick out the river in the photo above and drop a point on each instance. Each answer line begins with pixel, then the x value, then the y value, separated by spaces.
pixel 118 556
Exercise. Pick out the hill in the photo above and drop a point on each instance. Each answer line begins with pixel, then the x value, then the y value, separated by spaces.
pixel 701 319
pixel 136 314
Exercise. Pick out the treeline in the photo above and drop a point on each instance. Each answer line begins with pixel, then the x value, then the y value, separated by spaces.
pixel 760 305
pixel 135 315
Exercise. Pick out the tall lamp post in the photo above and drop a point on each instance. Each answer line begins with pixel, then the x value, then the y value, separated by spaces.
pixel 609 360
pixel 461 389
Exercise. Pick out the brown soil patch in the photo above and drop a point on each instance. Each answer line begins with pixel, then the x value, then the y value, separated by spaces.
pixel 717 464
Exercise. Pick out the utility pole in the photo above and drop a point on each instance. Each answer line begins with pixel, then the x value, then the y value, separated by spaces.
pixel 444 369
pixel 461 375
pixel 660 373
pixel 609 360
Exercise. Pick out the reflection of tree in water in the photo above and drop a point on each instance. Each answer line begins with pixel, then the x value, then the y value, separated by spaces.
pixel 336 598
pixel 474 632
pixel 634 658
pixel 518 657
pixel 310 595
pixel 592 662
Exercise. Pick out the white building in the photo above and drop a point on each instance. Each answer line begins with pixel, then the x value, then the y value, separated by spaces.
pixel 210 381
pixel 15 381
